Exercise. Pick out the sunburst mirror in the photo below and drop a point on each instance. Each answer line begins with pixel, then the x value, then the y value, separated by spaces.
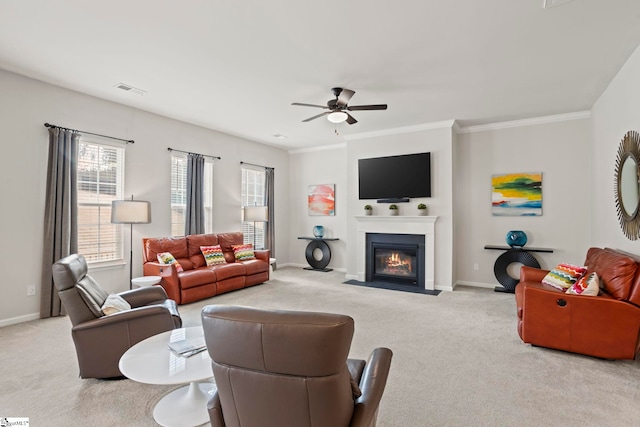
pixel 627 184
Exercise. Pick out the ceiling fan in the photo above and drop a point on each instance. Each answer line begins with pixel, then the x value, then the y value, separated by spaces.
pixel 338 107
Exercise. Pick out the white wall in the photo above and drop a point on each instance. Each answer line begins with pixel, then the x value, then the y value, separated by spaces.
pixel 26 104
pixel 320 166
pixel 438 141
pixel 561 152
pixel 577 159
pixel 615 113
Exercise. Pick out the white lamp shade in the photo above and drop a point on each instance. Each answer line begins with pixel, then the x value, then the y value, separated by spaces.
pixel 256 213
pixel 130 212
pixel 337 117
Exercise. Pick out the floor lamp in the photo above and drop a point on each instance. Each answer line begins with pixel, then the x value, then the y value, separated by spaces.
pixel 130 212
pixel 256 214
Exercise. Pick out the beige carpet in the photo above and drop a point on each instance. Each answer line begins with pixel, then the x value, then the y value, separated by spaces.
pixel 458 361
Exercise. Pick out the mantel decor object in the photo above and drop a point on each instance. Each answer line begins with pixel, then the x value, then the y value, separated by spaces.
pixel 318 231
pixel 393 210
pixel 368 209
pixel 422 209
pixel 516 238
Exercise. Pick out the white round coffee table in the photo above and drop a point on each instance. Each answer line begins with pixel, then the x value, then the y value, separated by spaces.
pixel 151 362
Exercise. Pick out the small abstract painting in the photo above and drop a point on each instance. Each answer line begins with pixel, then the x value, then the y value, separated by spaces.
pixel 321 200
pixel 516 194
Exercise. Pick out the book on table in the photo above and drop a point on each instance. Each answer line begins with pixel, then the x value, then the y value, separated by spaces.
pixel 188 345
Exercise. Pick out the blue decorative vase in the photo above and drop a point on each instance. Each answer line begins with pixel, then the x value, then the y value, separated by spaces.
pixel 516 238
pixel 318 231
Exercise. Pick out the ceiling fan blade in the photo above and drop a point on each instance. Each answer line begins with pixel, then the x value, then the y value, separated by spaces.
pixel 367 107
pixel 351 120
pixel 308 105
pixel 316 116
pixel 344 97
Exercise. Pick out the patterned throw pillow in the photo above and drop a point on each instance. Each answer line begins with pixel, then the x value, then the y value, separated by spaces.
pixel 563 276
pixel 587 285
pixel 243 252
pixel 167 258
pixel 213 255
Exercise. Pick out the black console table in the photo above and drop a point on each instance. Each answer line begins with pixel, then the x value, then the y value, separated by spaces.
pixel 513 254
pixel 318 243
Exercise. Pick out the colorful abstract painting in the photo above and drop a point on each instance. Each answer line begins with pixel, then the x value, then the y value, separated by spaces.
pixel 517 194
pixel 321 199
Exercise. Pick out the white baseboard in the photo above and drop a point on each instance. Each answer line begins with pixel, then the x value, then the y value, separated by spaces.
pixel 283 265
pixel 475 284
pixel 19 319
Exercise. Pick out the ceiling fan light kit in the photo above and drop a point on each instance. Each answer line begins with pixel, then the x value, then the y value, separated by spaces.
pixel 338 107
pixel 337 117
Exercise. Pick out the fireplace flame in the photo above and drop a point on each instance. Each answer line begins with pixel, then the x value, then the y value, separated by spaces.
pixel 397 264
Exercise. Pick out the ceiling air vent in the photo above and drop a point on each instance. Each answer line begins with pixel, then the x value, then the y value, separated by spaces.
pixel 130 89
pixel 552 3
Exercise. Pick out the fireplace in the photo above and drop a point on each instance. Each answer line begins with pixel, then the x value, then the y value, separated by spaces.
pixel 422 226
pixel 395 258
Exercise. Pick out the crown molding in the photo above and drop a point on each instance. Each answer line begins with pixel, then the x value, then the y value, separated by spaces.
pixel 396 131
pixel 318 148
pixel 579 115
pixel 452 124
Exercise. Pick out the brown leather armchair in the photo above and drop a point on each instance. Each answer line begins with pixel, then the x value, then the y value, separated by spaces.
pixel 101 340
pixel 289 369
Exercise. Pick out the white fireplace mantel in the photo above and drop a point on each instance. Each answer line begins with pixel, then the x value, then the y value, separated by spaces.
pixel 419 225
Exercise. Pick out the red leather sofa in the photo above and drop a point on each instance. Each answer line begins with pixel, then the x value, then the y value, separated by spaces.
pixel 605 326
pixel 198 281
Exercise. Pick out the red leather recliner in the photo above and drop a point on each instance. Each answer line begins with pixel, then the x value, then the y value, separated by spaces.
pixel 606 326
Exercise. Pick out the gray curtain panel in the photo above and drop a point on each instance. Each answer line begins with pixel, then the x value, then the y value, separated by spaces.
pixel 61 213
pixel 269 239
pixel 194 215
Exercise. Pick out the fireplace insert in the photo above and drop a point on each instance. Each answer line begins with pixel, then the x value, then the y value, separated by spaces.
pixel 395 258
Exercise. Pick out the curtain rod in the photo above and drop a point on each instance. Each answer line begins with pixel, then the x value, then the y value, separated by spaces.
pixel 128 141
pixel 189 152
pixel 253 164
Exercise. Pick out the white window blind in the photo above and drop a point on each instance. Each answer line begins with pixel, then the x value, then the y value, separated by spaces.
pixel 179 194
pixel 253 188
pixel 100 181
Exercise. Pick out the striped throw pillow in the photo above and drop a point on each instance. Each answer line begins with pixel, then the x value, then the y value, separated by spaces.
pixel 213 255
pixel 243 252
pixel 563 276
pixel 588 285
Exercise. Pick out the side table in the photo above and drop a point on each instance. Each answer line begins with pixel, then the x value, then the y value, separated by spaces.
pixel 141 282
pixel 512 254
pixel 318 243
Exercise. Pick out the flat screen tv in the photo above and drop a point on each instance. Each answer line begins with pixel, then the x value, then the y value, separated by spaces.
pixel 395 177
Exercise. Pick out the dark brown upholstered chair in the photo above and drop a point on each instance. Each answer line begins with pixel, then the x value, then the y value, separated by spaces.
pixel 101 340
pixel 289 369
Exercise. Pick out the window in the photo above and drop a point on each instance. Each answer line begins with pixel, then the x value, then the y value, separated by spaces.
pixel 253 188
pixel 179 194
pixel 100 181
